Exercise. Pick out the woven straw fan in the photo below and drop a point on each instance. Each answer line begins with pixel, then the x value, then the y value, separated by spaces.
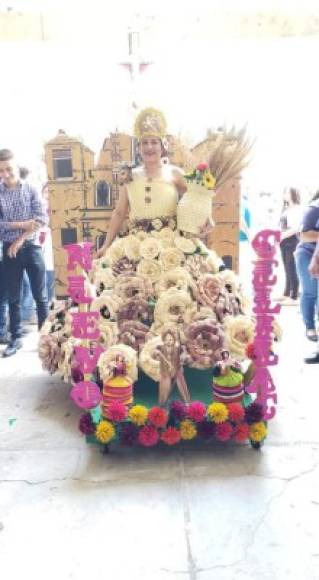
pixel 228 155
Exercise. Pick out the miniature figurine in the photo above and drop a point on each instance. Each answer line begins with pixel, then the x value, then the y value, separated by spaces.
pixel 171 358
pixel 228 386
pixel 118 387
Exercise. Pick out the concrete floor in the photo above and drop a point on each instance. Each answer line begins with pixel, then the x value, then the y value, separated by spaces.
pixel 223 512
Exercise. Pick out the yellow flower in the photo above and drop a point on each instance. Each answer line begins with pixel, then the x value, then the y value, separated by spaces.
pixel 138 414
pixel 188 429
pixel 105 431
pixel 209 180
pixel 218 412
pixel 257 431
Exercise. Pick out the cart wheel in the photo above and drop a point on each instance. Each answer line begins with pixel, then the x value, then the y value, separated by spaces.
pixel 256 445
pixel 105 450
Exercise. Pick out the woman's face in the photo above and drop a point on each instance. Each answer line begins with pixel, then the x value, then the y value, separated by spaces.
pixel 151 149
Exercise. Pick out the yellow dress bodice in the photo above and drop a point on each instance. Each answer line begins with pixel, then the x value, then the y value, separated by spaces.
pixel 162 195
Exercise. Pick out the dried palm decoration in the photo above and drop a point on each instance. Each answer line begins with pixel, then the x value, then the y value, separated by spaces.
pixel 226 152
pixel 229 155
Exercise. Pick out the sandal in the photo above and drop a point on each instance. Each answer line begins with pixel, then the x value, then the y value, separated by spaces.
pixel 312 335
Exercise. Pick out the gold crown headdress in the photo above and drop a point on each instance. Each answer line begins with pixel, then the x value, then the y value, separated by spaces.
pixel 150 123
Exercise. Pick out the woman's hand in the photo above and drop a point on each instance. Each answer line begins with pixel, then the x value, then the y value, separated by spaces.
pixel 100 252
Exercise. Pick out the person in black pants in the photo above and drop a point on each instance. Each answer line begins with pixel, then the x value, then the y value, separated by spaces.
pixel 290 221
pixel 21 215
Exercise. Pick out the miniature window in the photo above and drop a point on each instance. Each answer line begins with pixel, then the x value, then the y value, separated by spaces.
pixel 68 236
pixel 103 194
pixel 62 163
pixel 100 241
pixel 228 261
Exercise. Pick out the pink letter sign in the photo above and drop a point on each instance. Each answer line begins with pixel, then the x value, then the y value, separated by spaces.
pixel 84 325
pixel 86 394
pixel 87 358
pixel 76 290
pixel 79 255
pixel 264 245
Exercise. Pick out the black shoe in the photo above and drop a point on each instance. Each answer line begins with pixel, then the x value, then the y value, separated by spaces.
pixel 12 347
pixel 4 339
pixel 312 359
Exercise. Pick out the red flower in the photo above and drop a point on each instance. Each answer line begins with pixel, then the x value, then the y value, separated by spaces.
pixel 148 436
pixel 250 350
pixel 241 432
pixel 223 431
pixel 158 417
pixel 202 166
pixel 236 412
pixel 171 436
pixel 116 411
pixel 196 411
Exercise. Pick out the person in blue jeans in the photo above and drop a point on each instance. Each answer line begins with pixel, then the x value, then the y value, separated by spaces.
pixel 309 236
pixel 21 215
pixel 26 302
pixel 3 303
pixel 314 273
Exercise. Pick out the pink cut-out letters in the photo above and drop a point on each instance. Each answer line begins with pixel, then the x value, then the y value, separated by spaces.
pixel 79 255
pixel 76 290
pixel 84 325
pixel 86 394
pixel 87 358
pixel 264 244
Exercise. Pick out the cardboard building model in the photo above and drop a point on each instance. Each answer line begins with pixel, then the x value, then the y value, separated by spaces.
pixel 82 196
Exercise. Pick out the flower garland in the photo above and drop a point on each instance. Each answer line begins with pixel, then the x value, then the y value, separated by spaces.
pixel 148 427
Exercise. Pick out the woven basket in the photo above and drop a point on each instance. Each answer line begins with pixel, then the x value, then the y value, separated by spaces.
pixel 194 209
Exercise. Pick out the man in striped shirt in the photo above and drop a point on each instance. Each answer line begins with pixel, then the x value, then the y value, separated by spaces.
pixel 21 215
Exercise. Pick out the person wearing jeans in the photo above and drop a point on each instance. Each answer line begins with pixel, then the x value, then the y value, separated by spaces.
pixel 21 215
pixel 290 221
pixel 3 303
pixel 314 273
pixel 309 291
pixel 303 255
pixel 29 258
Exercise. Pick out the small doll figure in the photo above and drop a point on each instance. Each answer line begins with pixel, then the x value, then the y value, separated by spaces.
pixel 118 387
pixel 228 386
pixel 125 174
pixel 171 358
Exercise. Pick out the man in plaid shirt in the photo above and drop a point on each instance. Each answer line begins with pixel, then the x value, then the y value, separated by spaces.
pixel 21 215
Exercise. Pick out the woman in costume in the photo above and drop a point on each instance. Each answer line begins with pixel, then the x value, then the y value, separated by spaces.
pixel 158 282
pixel 154 189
